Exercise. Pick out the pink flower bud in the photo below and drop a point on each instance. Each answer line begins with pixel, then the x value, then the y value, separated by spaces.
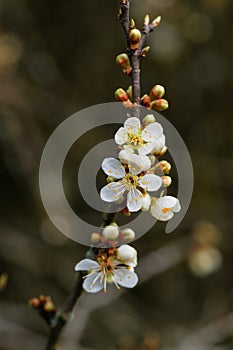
pixel 121 95
pixel 159 105
pixel 157 92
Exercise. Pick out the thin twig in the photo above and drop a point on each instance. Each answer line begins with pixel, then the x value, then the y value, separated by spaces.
pixel 62 317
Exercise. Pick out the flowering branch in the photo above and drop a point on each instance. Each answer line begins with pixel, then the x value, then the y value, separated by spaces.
pixel 134 173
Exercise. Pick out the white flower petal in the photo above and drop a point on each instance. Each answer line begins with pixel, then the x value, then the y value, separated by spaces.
pixel 126 278
pixel 159 144
pixel 150 182
pixel 134 200
pixel 86 265
pixel 146 202
pixel 92 283
pixel 132 125
pixel 113 167
pixel 156 212
pixel 152 132
pixel 146 148
pixel 112 192
pixel 177 207
pixel 167 202
pixel 121 136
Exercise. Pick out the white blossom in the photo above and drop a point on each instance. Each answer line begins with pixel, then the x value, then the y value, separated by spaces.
pixel 163 208
pixel 143 140
pixel 106 270
pixel 131 182
pixel 127 255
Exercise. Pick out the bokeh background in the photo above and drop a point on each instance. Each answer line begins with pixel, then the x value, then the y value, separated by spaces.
pixel 58 57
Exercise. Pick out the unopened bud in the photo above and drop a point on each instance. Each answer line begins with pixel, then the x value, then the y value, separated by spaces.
pixel 95 237
pixel 123 60
pixel 110 179
pixel 149 119
pixel 145 100
pixel 159 105
pixel 156 92
pixel 127 255
pixel 162 167
pixel 126 212
pixel 128 234
pixel 166 181
pixel 49 306
pixel 129 92
pixel 146 20
pixel 121 95
pixel 110 232
pixel 34 302
pixel 162 152
pixel 145 51
pixel 152 160
pixel 132 24
pixel 134 37
pixel 156 21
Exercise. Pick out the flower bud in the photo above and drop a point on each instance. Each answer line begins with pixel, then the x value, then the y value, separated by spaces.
pixel 162 152
pixel 160 105
pixel 156 21
pixel 134 37
pixel 110 232
pixel 49 306
pixel 132 24
pixel 110 179
pixel 146 101
pixel 128 234
pixel 152 160
pixel 145 51
pixel 130 92
pixel 146 202
pixel 121 95
pixel 162 167
pixel 166 181
pixel 146 20
pixel 126 212
pixel 123 60
pixel 157 92
pixel 127 255
pixel 95 237
pixel 149 119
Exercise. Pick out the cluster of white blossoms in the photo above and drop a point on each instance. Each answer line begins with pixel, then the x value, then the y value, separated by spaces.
pixel 133 173
pixel 133 176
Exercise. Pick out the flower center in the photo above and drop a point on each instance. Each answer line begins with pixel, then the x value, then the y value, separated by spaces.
pixel 166 210
pixel 130 181
pixel 136 139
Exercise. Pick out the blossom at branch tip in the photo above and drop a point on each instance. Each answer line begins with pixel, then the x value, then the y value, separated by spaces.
pixel 108 269
pixel 141 140
pixel 163 208
pixel 132 181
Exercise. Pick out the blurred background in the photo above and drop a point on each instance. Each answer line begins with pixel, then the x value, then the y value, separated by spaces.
pixel 57 58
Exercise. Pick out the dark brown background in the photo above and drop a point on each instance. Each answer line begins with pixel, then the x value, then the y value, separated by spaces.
pixel 57 57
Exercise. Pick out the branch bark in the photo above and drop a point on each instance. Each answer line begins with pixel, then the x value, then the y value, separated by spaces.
pixel 62 317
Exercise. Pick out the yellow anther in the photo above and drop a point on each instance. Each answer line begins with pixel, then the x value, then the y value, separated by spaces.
pixel 166 210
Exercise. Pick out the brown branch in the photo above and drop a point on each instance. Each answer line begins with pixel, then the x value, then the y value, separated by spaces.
pixel 60 319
